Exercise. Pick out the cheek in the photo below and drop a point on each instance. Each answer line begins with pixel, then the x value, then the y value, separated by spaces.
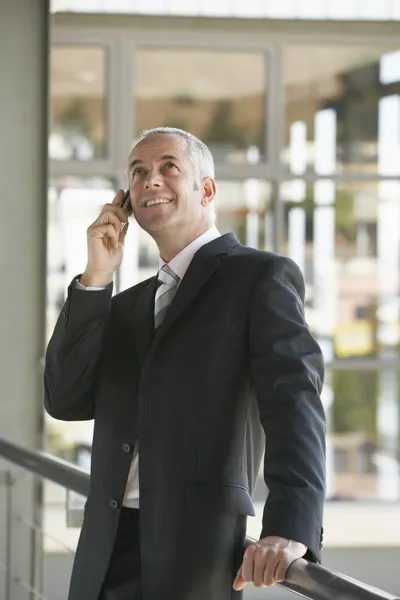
pixel 136 191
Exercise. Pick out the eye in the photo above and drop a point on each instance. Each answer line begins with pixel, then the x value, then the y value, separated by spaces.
pixel 138 171
pixel 170 165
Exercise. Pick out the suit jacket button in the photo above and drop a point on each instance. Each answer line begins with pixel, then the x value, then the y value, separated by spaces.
pixel 126 448
pixel 113 504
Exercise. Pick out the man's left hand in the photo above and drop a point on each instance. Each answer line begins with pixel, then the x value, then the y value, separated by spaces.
pixel 267 561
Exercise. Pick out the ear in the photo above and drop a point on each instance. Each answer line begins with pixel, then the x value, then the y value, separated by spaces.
pixel 208 191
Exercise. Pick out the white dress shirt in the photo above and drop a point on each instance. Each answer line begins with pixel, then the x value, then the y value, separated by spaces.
pixel 179 264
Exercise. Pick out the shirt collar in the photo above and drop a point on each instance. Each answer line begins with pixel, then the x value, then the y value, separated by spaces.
pixel 180 263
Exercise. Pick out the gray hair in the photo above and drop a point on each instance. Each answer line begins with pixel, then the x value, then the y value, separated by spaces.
pixel 200 154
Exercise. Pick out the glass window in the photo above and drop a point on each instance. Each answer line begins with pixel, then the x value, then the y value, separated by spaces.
pixel 342 109
pixel 73 204
pixel 363 453
pixel 218 96
pixel 78 103
pixel 244 207
pixel 364 434
pixel 346 239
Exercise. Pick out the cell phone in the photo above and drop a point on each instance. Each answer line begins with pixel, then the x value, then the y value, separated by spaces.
pixel 126 204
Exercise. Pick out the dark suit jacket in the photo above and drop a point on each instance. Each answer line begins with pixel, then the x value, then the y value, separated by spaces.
pixel 233 361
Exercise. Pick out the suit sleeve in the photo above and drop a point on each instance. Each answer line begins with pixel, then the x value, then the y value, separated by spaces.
pixel 287 371
pixel 73 354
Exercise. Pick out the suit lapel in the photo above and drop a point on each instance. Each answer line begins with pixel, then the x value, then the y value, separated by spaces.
pixel 204 264
pixel 139 312
pixel 140 315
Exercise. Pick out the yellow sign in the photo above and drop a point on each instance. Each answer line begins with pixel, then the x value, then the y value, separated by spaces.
pixel 354 338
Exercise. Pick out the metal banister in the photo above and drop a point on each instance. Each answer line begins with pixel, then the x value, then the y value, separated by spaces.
pixel 304 578
pixel 47 466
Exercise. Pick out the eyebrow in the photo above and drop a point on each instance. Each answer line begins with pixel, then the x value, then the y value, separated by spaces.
pixel 137 161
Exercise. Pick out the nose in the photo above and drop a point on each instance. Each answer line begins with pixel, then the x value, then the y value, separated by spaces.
pixel 153 179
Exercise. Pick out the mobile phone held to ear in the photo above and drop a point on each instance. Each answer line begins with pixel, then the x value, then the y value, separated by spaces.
pixel 126 204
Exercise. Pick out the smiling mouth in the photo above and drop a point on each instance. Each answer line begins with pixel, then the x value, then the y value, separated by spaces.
pixel 157 201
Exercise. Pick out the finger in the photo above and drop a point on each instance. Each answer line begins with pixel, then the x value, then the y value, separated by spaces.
pixel 110 217
pixel 239 582
pixel 118 203
pixel 118 198
pixel 281 570
pixel 114 210
pixel 107 232
pixel 260 562
pixel 117 210
pixel 270 569
pixel 122 235
pixel 248 564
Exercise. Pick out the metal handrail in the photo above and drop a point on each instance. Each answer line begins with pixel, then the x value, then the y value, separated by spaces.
pixel 303 578
pixel 47 466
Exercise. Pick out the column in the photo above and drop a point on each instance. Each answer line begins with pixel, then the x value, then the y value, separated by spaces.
pixel 23 195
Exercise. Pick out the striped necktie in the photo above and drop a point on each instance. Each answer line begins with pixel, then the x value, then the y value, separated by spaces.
pixel 167 286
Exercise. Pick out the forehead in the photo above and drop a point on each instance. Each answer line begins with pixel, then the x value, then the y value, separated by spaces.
pixel 155 147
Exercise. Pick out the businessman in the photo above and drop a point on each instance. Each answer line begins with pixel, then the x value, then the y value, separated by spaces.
pixel 192 378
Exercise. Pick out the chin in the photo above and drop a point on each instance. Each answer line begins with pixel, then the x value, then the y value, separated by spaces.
pixel 156 225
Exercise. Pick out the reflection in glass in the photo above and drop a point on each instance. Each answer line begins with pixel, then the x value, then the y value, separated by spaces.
pixel 78 103
pixel 218 96
pixel 343 86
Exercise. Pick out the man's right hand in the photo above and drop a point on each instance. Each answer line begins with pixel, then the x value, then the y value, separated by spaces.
pixel 105 240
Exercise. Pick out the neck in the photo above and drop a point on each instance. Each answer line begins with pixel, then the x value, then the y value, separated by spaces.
pixel 171 242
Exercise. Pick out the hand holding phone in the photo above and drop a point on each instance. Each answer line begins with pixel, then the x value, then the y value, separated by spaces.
pixel 126 204
pixel 106 237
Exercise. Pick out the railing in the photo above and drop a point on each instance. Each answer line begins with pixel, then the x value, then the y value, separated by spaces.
pixel 304 578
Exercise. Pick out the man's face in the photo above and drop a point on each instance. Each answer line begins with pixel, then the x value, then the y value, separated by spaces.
pixel 164 188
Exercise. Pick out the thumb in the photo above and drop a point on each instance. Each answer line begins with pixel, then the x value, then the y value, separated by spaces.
pixel 239 582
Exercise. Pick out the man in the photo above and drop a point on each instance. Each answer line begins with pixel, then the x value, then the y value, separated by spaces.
pixel 183 375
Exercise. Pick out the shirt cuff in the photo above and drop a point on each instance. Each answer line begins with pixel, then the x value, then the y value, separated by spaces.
pixel 79 286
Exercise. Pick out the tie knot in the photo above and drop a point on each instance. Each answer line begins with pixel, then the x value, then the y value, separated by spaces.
pixel 166 275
